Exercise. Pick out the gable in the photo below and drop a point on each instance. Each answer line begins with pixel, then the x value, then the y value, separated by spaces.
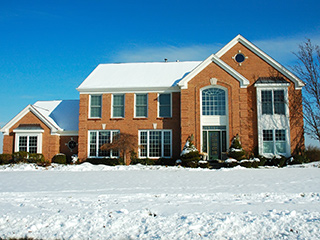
pixel 258 64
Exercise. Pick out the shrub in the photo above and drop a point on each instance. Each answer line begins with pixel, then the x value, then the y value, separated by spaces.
pixel 313 153
pixel 165 162
pixel 278 160
pixel 105 161
pixel 35 158
pixel 235 151
pixel 143 161
pixel 20 157
pixel 246 164
pixel 6 158
pixel 190 159
pixel 297 159
pixel 59 158
pixel 204 164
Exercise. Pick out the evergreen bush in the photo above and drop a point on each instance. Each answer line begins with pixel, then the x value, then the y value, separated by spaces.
pixel 313 153
pixel 165 162
pixel 19 157
pixel 6 158
pixel 143 161
pixel 105 161
pixel 59 158
pixel 35 158
pixel 235 151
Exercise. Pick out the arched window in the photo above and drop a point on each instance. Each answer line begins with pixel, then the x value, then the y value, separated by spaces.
pixel 213 102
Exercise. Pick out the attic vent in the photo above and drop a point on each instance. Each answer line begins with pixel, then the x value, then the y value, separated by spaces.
pixel 166 60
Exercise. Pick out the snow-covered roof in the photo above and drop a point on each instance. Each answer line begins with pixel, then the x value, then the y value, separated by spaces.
pixel 137 75
pixel 61 116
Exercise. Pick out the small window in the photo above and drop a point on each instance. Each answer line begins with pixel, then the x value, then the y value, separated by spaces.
pixel 118 106
pixel 240 58
pixel 213 102
pixel 95 106
pixel 266 98
pixel 279 102
pixel 165 105
pixel 141 108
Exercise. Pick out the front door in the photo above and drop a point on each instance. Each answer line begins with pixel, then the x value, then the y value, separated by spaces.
pixel 214 145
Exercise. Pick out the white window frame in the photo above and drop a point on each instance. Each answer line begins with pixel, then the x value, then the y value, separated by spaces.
pixel 124 105
pixel 28 134
pixel 135 105
pixel 90 117
pixel 162 142
pixel 97 143
pixel 273 121
pixel 159 105
pixel 274 142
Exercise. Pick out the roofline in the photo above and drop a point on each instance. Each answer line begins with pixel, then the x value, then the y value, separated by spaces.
pixel 128 90
pixel 213 58
pixel 5 129
pixel 298 82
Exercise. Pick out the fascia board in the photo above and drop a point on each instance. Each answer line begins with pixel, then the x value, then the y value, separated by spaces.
pixel 27 131
pixel 212 58
pixel 128 90
pixel 298 83
pixel 69 133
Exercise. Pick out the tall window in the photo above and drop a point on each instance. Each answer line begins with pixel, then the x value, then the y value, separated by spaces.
pixel 141 105
pixel 28 144
pixel 213 102
pixel 164 105
pixel 118 106
pixel 95 106
pixel 273 102
pixel 274 141
pixel 155 143
pixel 97 139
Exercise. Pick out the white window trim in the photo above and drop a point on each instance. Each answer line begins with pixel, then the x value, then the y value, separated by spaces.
pixel 162 142
pixel 89 117
pixel 124 105
pixel 274 121
pixel 215 120
pixel 274 142
pixel 158 98
pixel 31 133
pixel 97 143
pixel 135 106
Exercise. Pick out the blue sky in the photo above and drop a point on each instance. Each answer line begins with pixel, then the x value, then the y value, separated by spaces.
pixel 47 48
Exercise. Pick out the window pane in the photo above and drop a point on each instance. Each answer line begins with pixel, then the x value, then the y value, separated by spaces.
pixel 141 99
pixel 213 102
pixel 118 105
pixel 280 135
pixel 204 141
pixel 166 144
pixel 33 142
pixel 165 105
pixel 93 144
pixel 279 107
pixel 268 147
pixel 281 147
pixel 267 135
pixel 104 137
pixel 143 144
pixel 115 135
pixel 23 143
pixel 95 108
pixel 155 144
pixel 266 99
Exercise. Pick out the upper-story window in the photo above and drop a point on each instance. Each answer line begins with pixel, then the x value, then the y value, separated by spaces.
pixel 95 106
pixel 141 105
pixel 118 106
pixel 213 102
pixel 273 102
pixel 164 105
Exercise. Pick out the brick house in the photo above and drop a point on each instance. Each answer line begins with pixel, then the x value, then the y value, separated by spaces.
pixel 239 90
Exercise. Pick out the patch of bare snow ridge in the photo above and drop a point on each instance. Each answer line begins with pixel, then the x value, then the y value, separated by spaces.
pixel 154 202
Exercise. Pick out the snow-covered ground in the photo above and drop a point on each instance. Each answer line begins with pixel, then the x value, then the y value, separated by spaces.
pixel 153 202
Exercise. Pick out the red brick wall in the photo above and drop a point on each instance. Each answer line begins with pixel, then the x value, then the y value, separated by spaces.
pixel 50 144
pixel 128 124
